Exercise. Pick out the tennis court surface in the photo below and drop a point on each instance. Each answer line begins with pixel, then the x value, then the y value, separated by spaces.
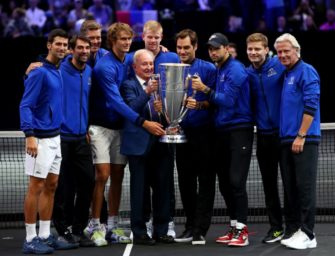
pixel 11 244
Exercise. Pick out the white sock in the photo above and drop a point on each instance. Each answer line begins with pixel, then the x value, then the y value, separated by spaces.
pixel 240 225
pixel 30 231
pixel 95 222
pixel 233 223
pixel 44 230
pixel 112 222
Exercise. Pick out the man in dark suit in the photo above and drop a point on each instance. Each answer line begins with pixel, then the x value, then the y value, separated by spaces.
pixel 150 162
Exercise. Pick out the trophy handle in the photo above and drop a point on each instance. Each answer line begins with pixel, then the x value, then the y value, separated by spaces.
pixel 162 115
pixel 184 109
pixel 187 83
pixel 195 75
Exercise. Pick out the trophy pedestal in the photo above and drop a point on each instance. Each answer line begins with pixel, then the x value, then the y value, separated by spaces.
pixel 173 138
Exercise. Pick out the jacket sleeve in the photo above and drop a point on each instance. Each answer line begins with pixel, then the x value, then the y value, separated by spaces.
pixel 311 91
pixel 33 85
pixel 108 83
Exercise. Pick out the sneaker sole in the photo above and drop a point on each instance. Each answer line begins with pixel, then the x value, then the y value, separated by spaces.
pixel 223 242
pixel 183 240
pixel 308 246
pixel 120 242
pixel 100 244
pixel 34 252
pixel 64 248
pixel 198 242
pixel 273 240
pixel 238 245
pixel 302 248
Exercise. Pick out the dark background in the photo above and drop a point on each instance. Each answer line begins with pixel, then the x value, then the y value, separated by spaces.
pixel 317 49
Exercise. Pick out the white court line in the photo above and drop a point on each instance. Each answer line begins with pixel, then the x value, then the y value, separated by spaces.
pixel 129 247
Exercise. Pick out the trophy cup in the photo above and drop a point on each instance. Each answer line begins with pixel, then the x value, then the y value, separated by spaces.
pixel 173 86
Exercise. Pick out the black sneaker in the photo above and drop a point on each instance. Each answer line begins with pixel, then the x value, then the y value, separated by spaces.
pixel 198 240
pixel 83 240
pixel 59 244
pixel 273 236
pixel 144 240
pixel 165 239
pixel 185 237
pixel 69 237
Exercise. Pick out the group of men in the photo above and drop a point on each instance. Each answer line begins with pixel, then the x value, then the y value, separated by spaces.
pixel 101 107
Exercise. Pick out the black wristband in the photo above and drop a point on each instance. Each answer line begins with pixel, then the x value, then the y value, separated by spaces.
pixel 301 135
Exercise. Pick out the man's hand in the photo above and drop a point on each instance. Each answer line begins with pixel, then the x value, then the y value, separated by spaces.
pixel 154 128
pixel 152 86
pixel 32 66
pixel 31 146
pixel 298 145
pixel 191 103
pixel 88 138
pixel 197 84
pixel 158 106
pixel 163 48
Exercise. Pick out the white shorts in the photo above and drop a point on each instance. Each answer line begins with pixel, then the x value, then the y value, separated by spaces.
pixel 48 158
pixel 105 144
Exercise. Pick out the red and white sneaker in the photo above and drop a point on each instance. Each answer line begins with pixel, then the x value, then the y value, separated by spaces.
pixel 240 237
pixel 225 239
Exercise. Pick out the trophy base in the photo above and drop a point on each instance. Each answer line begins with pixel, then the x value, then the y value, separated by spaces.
pixel 175 138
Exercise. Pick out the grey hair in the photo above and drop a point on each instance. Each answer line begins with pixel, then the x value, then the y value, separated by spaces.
pixel 287 37
pixel 140 52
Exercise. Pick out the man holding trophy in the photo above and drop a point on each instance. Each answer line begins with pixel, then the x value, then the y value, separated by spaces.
pixel 196 176
pixel 150 162
pixel 152 37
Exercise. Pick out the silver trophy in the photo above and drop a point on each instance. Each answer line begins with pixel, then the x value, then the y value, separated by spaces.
pixel 173 86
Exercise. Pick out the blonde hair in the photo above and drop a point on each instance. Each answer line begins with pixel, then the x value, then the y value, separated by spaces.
pixel 89 25
pixel 152 25
pixel 258 37
pixel 115 29
pixel 287 37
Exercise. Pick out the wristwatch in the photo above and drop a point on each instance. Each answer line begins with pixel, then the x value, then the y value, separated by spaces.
pixel 301 135
pixel 207 90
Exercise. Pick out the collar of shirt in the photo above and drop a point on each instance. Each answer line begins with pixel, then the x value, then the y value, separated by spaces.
pixel 142 82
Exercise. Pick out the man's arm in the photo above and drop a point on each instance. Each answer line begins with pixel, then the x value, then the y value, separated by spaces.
pixel 154 128
pixel 31 146
pixel 33 85
pixel 299 142
pixel 33 66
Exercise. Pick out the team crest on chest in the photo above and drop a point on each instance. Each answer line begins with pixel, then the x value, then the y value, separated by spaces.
pixel 291 80
pixel 222 78
pixel 271 72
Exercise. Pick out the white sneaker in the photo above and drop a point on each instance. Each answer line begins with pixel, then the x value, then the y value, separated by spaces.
pixel 88 231
pixel 171 231
pixel 98 237
pixel 301 241
pixel 287 240
pixel 149 228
